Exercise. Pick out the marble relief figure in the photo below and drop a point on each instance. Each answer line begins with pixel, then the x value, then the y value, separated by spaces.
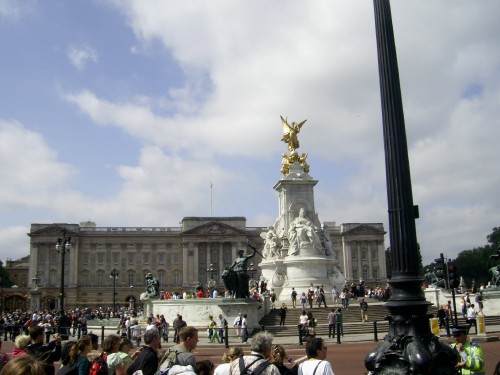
pixel 302 235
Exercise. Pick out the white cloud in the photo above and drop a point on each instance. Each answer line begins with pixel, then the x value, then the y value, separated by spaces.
pixel 15 10
pixel 317 60
pixel 14 242
pixel 31 172
pixel 79 56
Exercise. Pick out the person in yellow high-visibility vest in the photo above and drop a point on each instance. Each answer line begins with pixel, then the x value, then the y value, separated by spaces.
pixel 470 354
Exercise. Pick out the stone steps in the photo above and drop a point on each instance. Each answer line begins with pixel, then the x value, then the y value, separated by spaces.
pixel 351 317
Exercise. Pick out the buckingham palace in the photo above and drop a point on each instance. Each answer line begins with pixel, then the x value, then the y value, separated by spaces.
pixel 106 260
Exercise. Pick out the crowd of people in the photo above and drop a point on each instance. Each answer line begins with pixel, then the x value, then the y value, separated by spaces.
pixel 117 355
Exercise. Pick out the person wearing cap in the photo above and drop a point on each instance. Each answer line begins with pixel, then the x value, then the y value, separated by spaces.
pixel 470 354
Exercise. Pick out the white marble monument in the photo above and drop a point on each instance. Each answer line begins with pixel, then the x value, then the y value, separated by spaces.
pixel 297 249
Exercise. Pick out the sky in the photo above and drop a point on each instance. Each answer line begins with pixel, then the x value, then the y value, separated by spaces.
pixel 140 113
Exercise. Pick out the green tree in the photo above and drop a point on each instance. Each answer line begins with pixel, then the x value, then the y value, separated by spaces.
pixel 388 262
pixel 4 277
pixel 475 263
pixel 494 237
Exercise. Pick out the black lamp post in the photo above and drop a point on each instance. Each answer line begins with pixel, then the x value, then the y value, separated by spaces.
pixel 211 270
pixel 63 245
pixel 251 271
pixel 114 275
pixel 1 296
pixel 409 347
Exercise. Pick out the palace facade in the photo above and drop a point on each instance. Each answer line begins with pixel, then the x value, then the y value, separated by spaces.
pixel 179 257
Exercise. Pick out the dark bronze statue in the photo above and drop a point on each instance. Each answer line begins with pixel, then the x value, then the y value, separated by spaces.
pixel 236 277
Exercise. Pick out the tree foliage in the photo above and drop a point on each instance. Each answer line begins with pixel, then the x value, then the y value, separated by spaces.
pixel 475 263
pixel 4 277
pixel 388 262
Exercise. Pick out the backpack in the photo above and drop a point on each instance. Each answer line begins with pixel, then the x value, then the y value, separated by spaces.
pixel 245 370
pixel 69 369
pixel 99 365
pixel 168 361
pixel 294 294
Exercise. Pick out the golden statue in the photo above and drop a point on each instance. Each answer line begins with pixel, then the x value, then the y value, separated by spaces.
pixel 285 169
pixel 291 132
pixel 292 158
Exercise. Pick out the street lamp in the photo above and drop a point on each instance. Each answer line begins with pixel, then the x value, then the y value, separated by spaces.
pixel 63 245
pixel 211 270
pixel 35 281
pixel 251 271
pixel 1 296
pixel 114 275
pixel 131 298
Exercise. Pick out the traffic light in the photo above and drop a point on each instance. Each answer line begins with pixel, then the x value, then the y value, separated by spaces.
pixel 440 271
pixel 453 274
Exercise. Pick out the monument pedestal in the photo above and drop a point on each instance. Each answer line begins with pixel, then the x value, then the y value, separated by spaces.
pixel 298 251
pixel 195 312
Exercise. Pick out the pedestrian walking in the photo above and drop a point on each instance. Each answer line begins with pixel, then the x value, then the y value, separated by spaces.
pixel 471 318
pixel 340 322
pixel 282 314
pixel 322 297
pixel 335 295
pixel 332 323
pixel 237 324
pixel 294 298
pixel 303 301
pixel 213 333
pixel 363 306
pixel 222 327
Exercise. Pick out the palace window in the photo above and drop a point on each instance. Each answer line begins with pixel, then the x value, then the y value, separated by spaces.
pixel 365 273
pixel 176 279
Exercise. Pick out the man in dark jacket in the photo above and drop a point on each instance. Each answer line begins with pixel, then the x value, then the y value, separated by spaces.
pixel 49 353
pixel 147 360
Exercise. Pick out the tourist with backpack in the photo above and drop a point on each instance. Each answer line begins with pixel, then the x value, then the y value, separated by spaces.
pixel 256 363
pixel 181 354
pixel 147 360
pixel 99 365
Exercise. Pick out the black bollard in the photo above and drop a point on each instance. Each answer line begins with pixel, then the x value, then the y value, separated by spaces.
pixel 447 326
pixel 300 334
pixel 79 332
pixel 226 337
pixel 338 334
pixel 375 333
pixel 102 334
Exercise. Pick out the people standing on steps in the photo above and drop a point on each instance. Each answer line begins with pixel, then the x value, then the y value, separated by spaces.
pixel 363 306
pixel 332 323
pixel 283 309
pixel 294 297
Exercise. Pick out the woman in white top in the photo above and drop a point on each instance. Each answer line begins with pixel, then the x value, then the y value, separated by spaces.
pixel 233 353
pixel 316 363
